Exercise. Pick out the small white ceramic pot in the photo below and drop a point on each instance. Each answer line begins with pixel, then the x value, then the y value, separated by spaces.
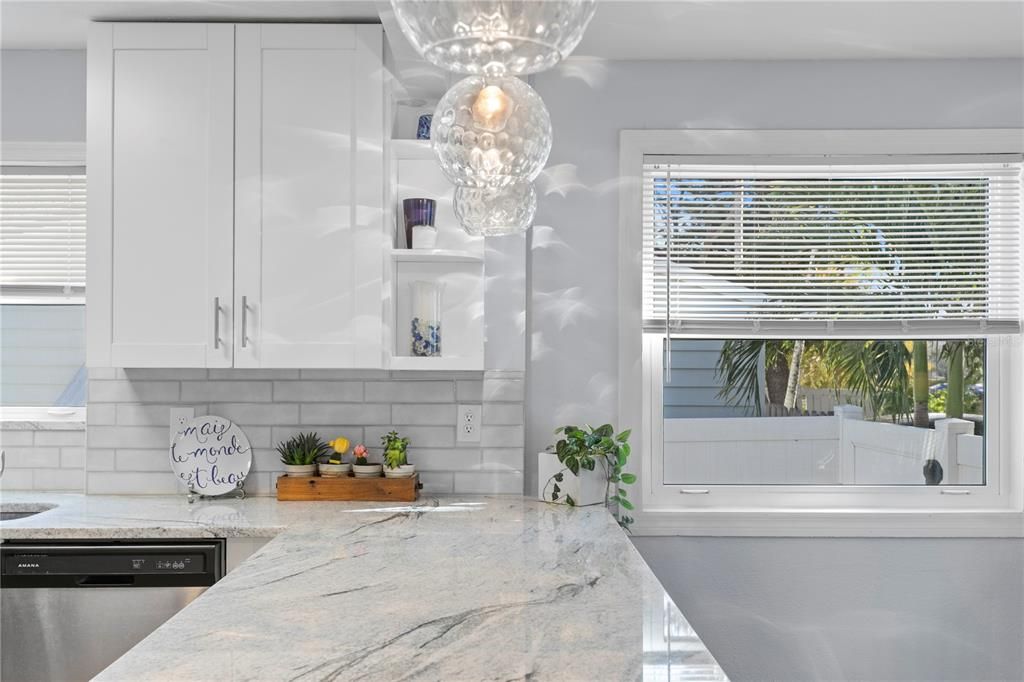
pixel 366 470
pixel 404 471
pixel 300 469
pixel 328 470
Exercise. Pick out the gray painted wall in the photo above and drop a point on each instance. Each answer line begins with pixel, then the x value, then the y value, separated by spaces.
pixel 792 609
pixel 573 308
pixel 43 95
pixel 801 609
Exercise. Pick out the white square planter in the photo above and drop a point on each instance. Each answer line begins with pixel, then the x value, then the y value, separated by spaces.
pixel 587 488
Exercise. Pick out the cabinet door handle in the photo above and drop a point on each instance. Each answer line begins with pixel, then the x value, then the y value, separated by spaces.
pixel 216 322
pixel 245 310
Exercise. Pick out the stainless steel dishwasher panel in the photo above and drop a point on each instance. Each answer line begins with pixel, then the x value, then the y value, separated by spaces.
pixel 72 634
pixel 84 606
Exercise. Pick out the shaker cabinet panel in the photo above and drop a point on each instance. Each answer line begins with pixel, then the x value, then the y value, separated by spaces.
pixel 160 185
pixel 236 187
pixel 308 205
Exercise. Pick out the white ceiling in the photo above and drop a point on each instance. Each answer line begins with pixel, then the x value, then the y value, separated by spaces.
pixel 622 29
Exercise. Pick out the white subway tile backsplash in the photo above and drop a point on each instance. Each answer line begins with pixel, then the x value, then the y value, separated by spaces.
pixel 131 459
pixel 122 391
pixel 503 413
pixel 469 391
pixel 501 436
pixel 438 482
pixel 444 459
pixel 503 390
pixel 226 391
pixel 72 458
pixel 355 413
pixel 410 392
pixel 15 437
pixel 30 457
pixel 128 437
pixel 129 414
pixel 411 414
pixel 420 436
pixel 99 459
pixel 16 479
pixel 59 479
pixel 494 482
pixel 70 438
pixel 503 458
pixel 103 413
pixel 253 374
pixel 318 391
pixel 131 483
pixel 350 374
pixel 157 374
pixel 245 414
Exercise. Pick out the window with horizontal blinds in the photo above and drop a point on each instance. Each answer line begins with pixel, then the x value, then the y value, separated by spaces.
pixel 42 232
pixel 853 248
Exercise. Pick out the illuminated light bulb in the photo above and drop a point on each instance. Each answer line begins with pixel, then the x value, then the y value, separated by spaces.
pixel 491 133
pixel 494 213
pixel 494 37
pixel 491 108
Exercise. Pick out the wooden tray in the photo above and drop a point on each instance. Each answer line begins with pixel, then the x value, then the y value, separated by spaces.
pixel 348 488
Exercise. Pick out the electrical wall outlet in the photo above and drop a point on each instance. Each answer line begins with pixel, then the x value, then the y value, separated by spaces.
pixel 467 427
pixel 180 416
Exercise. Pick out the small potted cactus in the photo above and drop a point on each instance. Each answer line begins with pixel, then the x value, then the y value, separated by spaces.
pixel 300 453
pixel 363 468
pixel 335 467
pixel 396 464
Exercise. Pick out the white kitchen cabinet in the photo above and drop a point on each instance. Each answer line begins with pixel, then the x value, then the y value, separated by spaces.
pixel 160 177
pixel 236 188
pixel 309 170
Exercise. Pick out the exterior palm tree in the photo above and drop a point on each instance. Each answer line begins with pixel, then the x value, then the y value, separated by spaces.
pixel 920 369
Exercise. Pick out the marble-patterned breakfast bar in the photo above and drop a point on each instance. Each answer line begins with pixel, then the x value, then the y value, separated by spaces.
pixel 452 588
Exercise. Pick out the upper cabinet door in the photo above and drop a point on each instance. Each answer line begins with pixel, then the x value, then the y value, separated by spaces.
pixel 160 181
pixel 309 238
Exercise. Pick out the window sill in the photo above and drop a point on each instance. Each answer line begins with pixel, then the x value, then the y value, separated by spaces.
pixel 838 523
pixel 42 419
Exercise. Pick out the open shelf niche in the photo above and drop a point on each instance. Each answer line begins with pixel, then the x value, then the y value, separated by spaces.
pixel 456 264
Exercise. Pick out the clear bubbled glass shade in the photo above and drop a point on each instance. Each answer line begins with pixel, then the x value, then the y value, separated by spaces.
pixel 492 213
pixel 494 37
pixel 491 133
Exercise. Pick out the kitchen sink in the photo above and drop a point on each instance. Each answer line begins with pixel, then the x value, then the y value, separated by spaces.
pixel 12 512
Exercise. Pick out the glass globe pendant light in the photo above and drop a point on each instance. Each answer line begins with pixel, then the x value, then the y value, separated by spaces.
pixel 494 37
pixel 491 133
pixel 493 213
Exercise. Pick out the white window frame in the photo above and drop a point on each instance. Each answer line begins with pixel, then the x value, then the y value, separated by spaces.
pixel 995 509
pixel 49 154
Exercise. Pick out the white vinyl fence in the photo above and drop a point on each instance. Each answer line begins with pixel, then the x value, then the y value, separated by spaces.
pixel 833 450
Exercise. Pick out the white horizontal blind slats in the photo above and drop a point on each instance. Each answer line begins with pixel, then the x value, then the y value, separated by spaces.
pixel 42 232
pixel 832 249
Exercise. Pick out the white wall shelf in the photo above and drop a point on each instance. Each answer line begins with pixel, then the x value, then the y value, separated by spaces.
pixel 441 364
pixel 435 256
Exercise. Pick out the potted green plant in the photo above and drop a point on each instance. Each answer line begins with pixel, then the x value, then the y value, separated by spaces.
pixel 300 453
pixel 334 467
pixel 396 464
pixel 589 469
pixel 362 467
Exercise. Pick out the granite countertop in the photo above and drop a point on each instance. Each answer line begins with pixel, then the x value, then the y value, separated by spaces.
pixel 453 588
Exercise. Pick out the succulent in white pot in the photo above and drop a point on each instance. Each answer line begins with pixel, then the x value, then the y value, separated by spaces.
pixel 396 464
pixel 363 468
pixel 335 467
pixel 300 453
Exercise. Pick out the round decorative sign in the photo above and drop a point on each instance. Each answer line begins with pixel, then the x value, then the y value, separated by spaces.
pixel 211 456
